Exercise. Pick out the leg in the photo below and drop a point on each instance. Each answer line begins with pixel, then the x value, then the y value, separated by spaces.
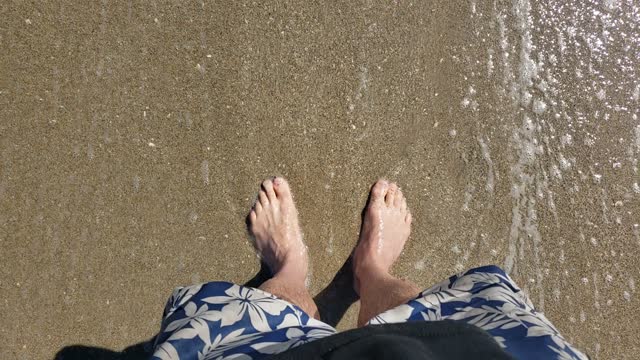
pixel 295 293
pixel 278 240
pixel 385 229
pixel 380 292
pixel 219 319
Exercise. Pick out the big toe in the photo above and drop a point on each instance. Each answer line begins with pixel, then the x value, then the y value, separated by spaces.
pixel 379 190
pixel 281 187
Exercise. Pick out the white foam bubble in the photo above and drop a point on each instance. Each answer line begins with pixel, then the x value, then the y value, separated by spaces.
pixel 564 163
pixel 539 106
pixel 490 65
pixel 468 196
pixel 566 139
pixel 204 171
pixel 484 148
pixel 193 217
pixel 611 4
pixel 525 99
pixel 589 141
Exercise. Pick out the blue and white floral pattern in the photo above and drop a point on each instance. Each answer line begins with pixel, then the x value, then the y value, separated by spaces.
pixel 221 320
pixel 488 298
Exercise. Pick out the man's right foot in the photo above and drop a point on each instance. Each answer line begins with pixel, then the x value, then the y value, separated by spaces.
pixel 385 230
pixel 274 225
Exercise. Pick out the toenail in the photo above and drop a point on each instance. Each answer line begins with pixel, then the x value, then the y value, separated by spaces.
pixel 277 181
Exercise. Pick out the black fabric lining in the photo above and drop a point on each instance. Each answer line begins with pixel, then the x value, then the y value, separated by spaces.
pixel 432 334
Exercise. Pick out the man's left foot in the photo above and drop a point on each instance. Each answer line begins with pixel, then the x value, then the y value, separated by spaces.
pixel 274 225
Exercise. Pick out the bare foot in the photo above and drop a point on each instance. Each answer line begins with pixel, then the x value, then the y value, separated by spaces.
pixel 274 225
pixel 385 230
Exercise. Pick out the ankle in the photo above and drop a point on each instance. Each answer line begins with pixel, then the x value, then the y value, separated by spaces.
pixel 291 274
pixel 367 272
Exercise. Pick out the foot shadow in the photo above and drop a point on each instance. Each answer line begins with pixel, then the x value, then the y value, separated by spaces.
pixel 334 301
pixel 258 279
pixel 338 296
pixel 140 351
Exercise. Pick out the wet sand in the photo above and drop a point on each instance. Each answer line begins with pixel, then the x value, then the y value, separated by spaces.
pixel 133 138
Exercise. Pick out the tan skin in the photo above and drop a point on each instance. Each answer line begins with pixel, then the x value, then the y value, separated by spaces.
pixel 273 222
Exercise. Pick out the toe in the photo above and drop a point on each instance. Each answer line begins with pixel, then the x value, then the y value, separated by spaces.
pixel 397 201
pixel 264 200
pixel 403 205
pixel 391 194
pixel 281 187
pixel 379 190
pixel 252 216
pixel 257 208
pixel 408 218
pixel 267 186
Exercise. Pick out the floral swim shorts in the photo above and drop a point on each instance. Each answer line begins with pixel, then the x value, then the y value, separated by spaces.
pixel 221 320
